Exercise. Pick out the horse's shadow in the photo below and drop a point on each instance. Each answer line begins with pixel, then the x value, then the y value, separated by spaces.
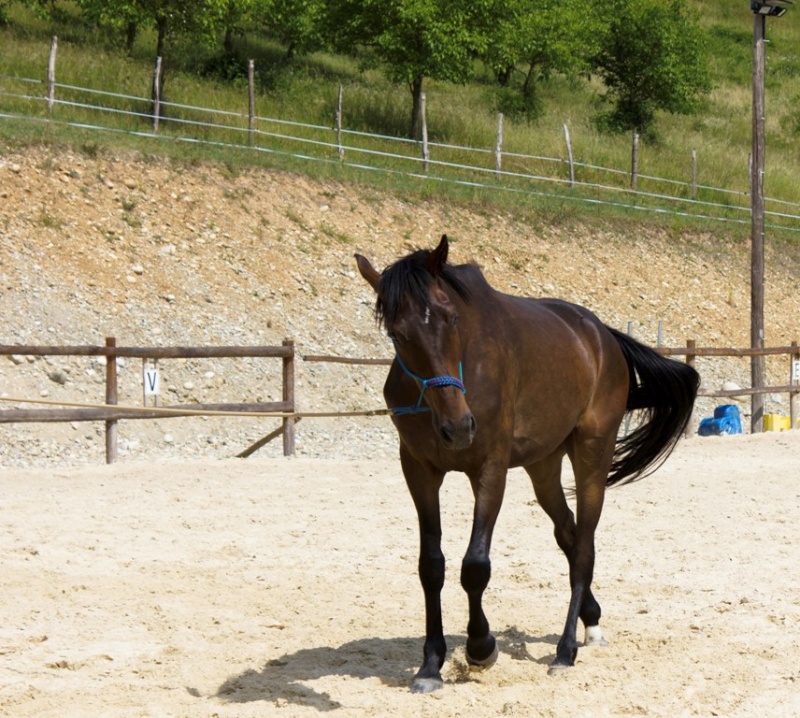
pixel 391 661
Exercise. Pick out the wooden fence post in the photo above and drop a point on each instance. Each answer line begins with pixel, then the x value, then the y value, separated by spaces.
pixel 111 398
pixel 690 360
pixel 251 97
pixel 288 397
pixel 569 156
pixel 51 75
pixel 498 148
pixel 794 370
pixel 156 94
pixel 339 123
pixel 634 160
pixel 425 153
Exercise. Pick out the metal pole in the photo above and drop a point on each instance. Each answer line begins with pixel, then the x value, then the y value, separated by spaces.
pixel 757 224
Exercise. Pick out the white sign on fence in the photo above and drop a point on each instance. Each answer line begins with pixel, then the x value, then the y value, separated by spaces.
pixel 152 382
pixel 795 369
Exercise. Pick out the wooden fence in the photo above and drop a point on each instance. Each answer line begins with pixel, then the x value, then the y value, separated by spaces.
pixel 792 388
pixel 691 351
pixel 105 412
pixel 286 409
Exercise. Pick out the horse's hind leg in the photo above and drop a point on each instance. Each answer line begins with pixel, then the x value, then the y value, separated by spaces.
pixel 577 543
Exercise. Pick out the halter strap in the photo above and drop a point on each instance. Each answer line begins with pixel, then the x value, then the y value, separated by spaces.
pixel 433 382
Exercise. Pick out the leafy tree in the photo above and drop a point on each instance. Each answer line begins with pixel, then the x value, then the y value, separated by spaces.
pixel 541 36
pixel 169 17
pixel 413 39
pixel 230 17
pixel 651 58
pixel 297 24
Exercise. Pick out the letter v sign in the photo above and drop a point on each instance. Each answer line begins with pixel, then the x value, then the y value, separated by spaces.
pixel 152 382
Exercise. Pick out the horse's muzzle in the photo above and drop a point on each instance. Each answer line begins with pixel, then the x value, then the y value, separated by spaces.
pixel 457 433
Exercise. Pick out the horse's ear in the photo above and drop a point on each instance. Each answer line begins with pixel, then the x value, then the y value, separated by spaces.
pixel 368 271
pixel 438 257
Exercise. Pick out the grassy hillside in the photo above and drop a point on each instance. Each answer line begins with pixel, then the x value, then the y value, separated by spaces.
pixel 306 89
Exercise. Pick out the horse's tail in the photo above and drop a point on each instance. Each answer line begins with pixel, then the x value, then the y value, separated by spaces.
pixel 664 390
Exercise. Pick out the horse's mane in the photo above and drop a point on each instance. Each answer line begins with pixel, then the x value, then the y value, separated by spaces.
pixel 409 277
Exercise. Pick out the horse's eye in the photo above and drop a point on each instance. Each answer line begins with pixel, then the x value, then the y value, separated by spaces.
pixel 454 320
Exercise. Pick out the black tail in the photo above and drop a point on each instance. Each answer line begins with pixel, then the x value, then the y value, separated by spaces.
pixel 664 390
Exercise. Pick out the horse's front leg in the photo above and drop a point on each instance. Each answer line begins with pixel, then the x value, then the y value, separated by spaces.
pixel 488 487
pixel 424 485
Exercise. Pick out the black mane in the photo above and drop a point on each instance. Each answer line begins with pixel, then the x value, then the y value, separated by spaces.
pixel 409 277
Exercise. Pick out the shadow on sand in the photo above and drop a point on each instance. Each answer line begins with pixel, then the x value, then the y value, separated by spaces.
pixel 392 661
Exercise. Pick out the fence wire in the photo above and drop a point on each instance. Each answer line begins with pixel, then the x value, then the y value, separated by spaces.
pixel 386 154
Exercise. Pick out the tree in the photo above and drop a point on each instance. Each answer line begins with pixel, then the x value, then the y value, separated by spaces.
pixel 651 58
pixel 297 24
pixel 541 36
pixel 413 39
pixel 169 17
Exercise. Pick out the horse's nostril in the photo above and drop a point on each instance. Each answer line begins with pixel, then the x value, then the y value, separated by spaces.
pixel 458 434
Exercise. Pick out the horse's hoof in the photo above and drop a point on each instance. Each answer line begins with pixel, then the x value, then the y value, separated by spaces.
pixel 485 663
pixel 594 637
pixel 426 685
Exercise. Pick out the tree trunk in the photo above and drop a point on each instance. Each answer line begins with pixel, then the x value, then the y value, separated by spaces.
pixel 227 43
pixel 527 86
pixel 131 30
pixel 504 76
pixel 416 100
pixel 161 27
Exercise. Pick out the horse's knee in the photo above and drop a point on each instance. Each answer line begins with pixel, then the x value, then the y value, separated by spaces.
pixel 475 573
pixel 431 572
pixel 565 535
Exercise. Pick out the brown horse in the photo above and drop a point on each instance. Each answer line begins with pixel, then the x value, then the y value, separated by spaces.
pixel 483 381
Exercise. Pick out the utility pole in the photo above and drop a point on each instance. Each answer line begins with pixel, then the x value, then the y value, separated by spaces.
pixel 761 10
pixel 757 225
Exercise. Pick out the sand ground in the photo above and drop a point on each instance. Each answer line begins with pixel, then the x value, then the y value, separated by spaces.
pixel 288 587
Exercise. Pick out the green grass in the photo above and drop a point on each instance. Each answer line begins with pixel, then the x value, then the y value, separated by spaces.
pixel 306 91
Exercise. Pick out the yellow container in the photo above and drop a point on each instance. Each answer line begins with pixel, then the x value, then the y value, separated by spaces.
pixel 776 422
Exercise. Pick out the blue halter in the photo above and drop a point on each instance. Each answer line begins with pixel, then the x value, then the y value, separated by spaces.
pixel 436 381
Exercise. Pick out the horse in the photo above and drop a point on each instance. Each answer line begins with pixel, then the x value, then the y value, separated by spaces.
pixel 483 381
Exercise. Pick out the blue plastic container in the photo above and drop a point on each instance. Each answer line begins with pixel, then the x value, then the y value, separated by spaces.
pixel 726 420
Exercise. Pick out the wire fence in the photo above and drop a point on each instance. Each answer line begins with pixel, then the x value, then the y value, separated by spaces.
pixel 489 169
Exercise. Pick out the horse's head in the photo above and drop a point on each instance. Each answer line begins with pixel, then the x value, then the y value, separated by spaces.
pixel 416 304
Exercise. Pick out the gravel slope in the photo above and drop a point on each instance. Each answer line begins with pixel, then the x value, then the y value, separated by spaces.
pixel 155 253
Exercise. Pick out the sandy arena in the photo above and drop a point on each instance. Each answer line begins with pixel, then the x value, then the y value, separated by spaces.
pixel 288 587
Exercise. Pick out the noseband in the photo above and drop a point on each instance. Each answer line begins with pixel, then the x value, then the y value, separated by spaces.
pixel 436 381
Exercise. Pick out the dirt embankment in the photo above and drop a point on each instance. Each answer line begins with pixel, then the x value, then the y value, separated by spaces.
pixel 158 254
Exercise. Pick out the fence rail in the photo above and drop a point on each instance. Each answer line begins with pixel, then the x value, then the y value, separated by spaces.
pixel 285 410
pixel 111 414
pixel 561 178
pixel 691 352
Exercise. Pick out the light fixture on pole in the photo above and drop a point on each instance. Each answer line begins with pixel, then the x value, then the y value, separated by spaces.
pixel 770 8
pixel 761 11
